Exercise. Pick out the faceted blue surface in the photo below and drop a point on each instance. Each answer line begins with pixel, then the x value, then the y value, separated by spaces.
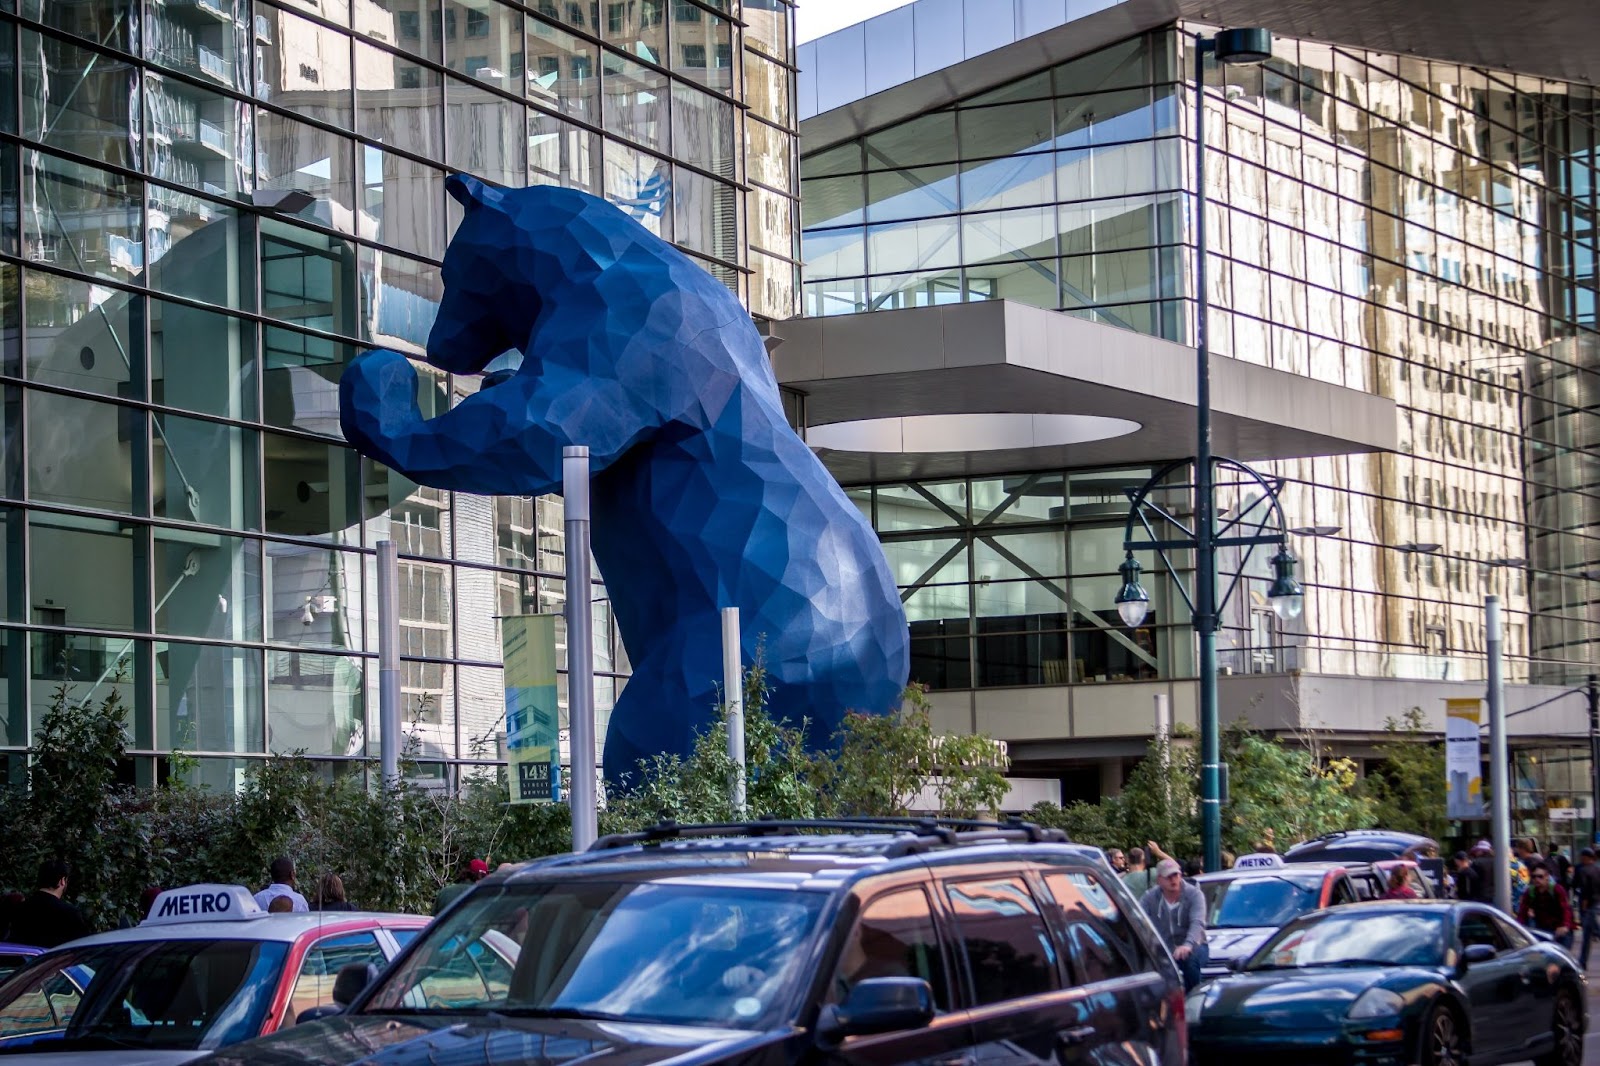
pixel 703 497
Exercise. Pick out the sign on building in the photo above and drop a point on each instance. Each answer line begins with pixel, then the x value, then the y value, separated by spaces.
pixel 533 749
pixel 1463 759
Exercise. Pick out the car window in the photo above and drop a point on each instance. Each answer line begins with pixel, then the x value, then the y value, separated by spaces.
pixel 1008 948
pixel 314 985
pixel 402 937
pixel 43 1004
pixel 1514 935
pixel 1099 941
pixel 1266 899
pixel 1343 892
pixel 10 964
pixel 682 951
pixel 894 937
pixel 148 994
pixel 1479 927
pixel 1418 883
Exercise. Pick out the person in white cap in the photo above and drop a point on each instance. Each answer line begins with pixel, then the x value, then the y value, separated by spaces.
pixel 1178 909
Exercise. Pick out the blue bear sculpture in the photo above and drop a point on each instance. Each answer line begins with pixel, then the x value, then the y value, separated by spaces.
pixel 702 496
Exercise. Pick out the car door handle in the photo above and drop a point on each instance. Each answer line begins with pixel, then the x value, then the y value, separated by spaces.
pixel 1074 1037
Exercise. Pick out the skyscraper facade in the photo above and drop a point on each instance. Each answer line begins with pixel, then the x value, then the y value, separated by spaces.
pixel 1412 227
pixel 210 206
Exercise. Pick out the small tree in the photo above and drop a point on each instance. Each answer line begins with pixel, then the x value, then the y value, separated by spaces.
pixel 1407 787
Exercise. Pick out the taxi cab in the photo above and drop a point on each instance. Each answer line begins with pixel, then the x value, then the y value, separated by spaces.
pixel 207 968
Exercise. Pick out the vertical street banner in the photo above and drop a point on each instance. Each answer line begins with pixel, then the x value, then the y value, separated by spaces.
pixel 1463 759
pixel 533 749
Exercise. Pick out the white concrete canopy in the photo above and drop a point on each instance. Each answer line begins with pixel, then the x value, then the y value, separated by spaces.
pixel 1000 357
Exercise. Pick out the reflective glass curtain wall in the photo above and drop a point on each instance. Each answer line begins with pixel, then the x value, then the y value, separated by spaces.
pixel 1418 230
pixel 183 522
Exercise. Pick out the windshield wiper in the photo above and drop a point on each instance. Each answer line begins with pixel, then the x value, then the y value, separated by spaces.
pixel 558 1012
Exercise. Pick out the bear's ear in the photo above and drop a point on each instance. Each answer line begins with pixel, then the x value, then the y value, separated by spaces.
pixel 469 192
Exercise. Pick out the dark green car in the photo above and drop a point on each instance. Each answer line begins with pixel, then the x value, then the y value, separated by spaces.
pixel 1435 982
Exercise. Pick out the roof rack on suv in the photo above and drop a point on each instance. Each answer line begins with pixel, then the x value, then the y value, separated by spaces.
pixel 909 834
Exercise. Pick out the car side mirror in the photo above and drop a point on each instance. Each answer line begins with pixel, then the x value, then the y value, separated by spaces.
pixel 1238 963
pixel 352 980
pixel 1473 954
pixel 878 1005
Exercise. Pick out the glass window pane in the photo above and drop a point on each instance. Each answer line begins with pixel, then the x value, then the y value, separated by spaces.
pixel 999 556
pixel 209 698
pixel 907 246
pixel 707 215
pixel 1013 182
pixel 927 139
pixel 308 278
pixel 1024 233
pixel 1009 950
pixel 110 243
pixel 313 596
pixel 399 102
pixel 208 47
pixel 402 300
pixel 409 25
pixel 563 72
pixel 769 155
pixel 560 153
pixel 207 585
pixel 641 185
pixel 923 505
pixel 402 202
pixel 79 101
pixel 302 67
pixel 210 366
pixel 197 139
pixel 767 26
pixel 1121 64
pixel 80 452
pixel 197 248
pixel 638 27
pixel 487 44
pixel 106 23
pixel 312 488
pixel 83 336
pixel 416 517
pixel 702 131
pixel 314 703
pixel 203 472
pixel 702 47
pixel 1004 130
pixel 301 385
pixel 635 101
pixel 295 155
pixel 487 133
pixel 772 222
pixel 766 89
pixel 911 193
pixel 937 560
pixel 82 573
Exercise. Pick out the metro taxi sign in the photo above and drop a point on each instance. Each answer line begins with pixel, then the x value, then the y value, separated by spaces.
pixel 1258 861
pixel 203 903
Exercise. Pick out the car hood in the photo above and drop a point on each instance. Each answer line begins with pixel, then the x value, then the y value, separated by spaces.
pixel 1227 944
pixel 1285 1000
pixel 99 1057
pixel 377 1040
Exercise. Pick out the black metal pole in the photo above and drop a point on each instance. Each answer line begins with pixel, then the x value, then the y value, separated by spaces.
pixel 1205 552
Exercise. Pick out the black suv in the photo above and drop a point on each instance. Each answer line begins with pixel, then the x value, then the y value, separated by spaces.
pixel 767 943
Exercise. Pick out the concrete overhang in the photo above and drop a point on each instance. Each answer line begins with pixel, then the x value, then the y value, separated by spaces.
pixel 999 357
pixel 934 52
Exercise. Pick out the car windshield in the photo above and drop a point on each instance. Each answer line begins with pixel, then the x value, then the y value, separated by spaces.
pixel 1355 937
pixel 674 953
pixel 1247 902
pixel 170 995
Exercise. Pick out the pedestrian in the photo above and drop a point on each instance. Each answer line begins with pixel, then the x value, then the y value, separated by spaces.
pixel 1139 878
pixel 282 871
pixel 1559 864
pixel 280 905
pixel 1521 875
pixel 1465 877
pixel 330 894
pixel 1268 844
pixel 474 871
pixel 1586 883
pixel 1526 851
pixel 1545 906
pixel 1193 868
pixel 1178 911
pixel 1483 872
pixel 1399 885
pixel 1118 861
pixel 45 919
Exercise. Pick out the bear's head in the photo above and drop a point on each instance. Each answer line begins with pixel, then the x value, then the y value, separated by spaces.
pixel 486 307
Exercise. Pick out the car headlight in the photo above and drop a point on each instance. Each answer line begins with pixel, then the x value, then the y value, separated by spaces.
pixel 1376 1003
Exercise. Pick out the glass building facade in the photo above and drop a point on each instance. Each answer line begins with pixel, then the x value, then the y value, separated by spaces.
pixel 183 523
pixel 1418 230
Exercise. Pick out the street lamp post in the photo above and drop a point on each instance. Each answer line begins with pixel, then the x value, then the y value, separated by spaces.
pixel 1228 46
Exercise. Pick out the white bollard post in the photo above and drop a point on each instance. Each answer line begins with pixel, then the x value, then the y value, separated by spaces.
pixel 733 690
pixel 388 663
pixel 580 646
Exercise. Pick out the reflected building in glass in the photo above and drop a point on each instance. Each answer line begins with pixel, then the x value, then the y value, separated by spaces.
pixel 184 524
pixel 1402 288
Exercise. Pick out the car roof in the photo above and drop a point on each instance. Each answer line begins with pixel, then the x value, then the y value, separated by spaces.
pixel 816 855
pixel 279 928
pixel 1306 870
